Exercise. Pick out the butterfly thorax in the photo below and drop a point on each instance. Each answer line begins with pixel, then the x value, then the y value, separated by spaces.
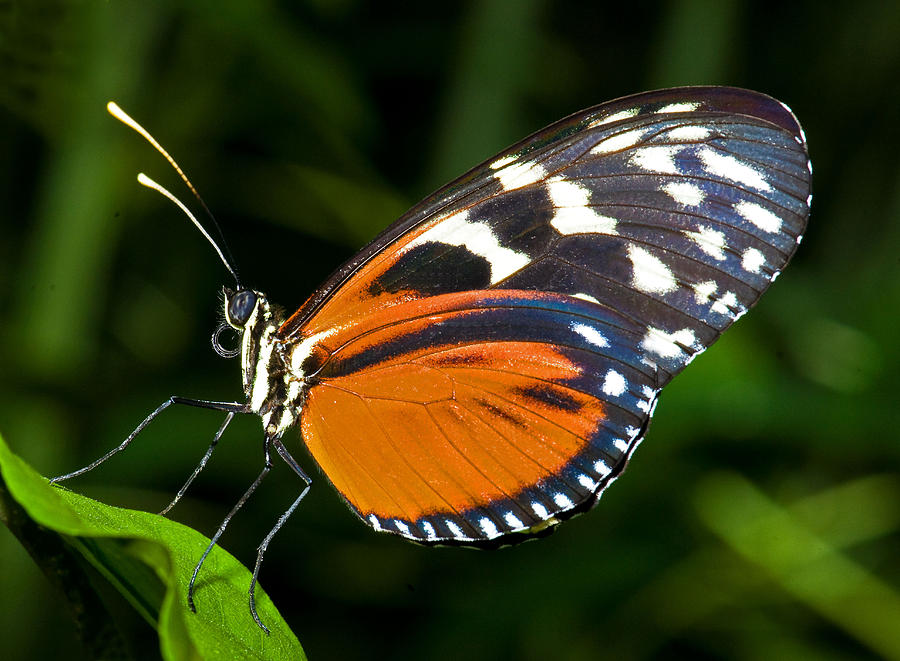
pixel 273 393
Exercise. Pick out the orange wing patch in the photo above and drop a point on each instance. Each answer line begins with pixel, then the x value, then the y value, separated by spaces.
pixel 450 430
pixel 353 301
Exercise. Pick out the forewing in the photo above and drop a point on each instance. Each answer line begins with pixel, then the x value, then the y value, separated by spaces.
pixel 677 208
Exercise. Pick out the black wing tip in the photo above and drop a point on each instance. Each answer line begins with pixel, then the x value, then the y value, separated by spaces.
pixel 718 98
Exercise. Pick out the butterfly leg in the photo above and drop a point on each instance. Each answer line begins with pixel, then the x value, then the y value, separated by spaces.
pixel 234 510
pixel 201 465
pixel 230 407
pixel 260 552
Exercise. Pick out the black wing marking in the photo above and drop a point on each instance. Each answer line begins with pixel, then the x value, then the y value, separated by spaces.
pixel 676 208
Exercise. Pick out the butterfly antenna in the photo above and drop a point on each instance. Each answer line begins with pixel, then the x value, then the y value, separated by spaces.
pixel 221 246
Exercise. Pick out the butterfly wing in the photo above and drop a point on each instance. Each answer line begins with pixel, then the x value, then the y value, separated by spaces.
pixel 491 360
pixel 469 415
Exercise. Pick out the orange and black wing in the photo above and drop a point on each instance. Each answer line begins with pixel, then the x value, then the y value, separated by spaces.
pixel 480 413
pixel 491 360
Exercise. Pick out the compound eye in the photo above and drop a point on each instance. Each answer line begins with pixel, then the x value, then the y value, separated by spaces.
pixel 240 307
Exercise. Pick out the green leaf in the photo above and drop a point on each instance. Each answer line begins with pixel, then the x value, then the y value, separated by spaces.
pixel 149 559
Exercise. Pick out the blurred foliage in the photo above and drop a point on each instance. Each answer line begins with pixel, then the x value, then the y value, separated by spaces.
pixel 150 560
pixel 760 518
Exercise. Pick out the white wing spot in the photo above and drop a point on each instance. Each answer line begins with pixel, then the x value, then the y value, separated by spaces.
pixel 649 274
pixel 728 167
pixel 615 117
pixel 703 291
pixel 587 482
pixel 753 260
pixel 601 468
pixel 402 527
pixel 565 193
pixel 477 238
pixel 614 384
pixel 590 334
pixel 454 529
pixel 684 106
pixel 488 527
pixel 759 216
pixel 621 445
pixel 513 521
pixel 585 297
pixel 514 174
pixel 684 193
pixel 304 347
pixel 691 132
pixel 502 162
pixel 668 345
pixel 646 405
pixel 656 159
pixel 710 241
pixel 429 530
pixel 726 304
pixel 374 522
pixel 619 142
pixel 563 501
pixel 540 510
pixel 573 212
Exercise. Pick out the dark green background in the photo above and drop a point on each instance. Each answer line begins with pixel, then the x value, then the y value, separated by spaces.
pixel 309 126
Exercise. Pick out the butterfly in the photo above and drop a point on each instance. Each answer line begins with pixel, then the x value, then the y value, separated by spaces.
pixel 486 366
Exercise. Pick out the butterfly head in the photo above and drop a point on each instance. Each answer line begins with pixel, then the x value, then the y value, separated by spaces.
pixel 241 305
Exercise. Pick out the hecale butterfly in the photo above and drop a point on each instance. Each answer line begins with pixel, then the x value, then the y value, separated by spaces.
pixel 486 366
